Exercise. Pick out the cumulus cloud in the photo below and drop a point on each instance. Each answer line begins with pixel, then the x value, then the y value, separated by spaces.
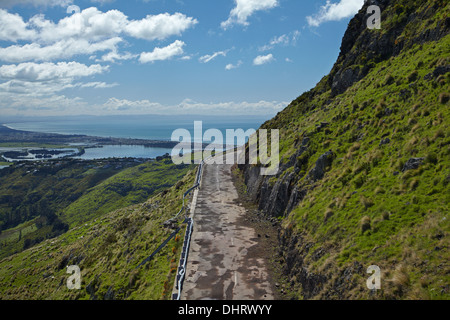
pixel 37 105
pixel 13 28
pixel 165 53
pixel 233 66
pixel 114 56
pixel 335 11
pixel 43 79
pixel 260 60
pixel 49 71
pixel 62 49
pixel 85 32
pixel 160 26
pixel 244 9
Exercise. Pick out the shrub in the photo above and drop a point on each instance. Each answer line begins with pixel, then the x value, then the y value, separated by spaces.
pixel 365 224
pixel 431 158
pixel 360 180
pixel 439 134
pixel 413 76
pixel 366 202
pixel 444 97
pixel 389 80
pixel 400 279
pixel 414 184
pixel 328 214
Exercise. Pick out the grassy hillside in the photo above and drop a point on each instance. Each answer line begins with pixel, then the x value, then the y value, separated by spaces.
pixel 382 144
pixel 131 186
pixel 107 249
pixel 44 199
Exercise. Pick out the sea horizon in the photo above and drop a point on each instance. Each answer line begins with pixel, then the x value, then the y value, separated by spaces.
pixel 148 127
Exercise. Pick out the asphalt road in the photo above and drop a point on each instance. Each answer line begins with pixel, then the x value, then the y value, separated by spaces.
pixel 223 261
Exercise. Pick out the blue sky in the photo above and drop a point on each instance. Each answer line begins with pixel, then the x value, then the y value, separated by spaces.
pixel 101 57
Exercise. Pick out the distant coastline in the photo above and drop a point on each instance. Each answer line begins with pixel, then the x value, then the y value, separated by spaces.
pixel 10 135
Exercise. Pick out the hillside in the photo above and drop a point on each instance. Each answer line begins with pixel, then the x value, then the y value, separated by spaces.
pixel 108 249
pixel 365 176
pixel 41 200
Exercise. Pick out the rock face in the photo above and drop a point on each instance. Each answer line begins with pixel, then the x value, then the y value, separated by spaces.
pixel 279 196
pixel 324 161
pixel 441 70
pixel 413 163
pixel 363 47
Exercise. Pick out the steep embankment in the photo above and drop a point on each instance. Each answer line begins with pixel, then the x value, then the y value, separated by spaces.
pixel 365 160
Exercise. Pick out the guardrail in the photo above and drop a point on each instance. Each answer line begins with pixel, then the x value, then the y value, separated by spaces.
pixel 187 239
pixel 183 261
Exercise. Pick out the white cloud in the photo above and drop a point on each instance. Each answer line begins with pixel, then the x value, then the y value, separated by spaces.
pixel 13 28
pixel 233 66
pixel 61 105
pixel 189 106
pixel 335 11
pixel 207 58
pixel 89 24
pixel 45 79
pixel 260 60
pixel 113 56
pixel 138 106
pixel 283 40
pixel 86 32
pixel 49 71
pixel 244 9
pixel 62 49
pixel 37 105
pixel 165 53
pixel 97 85
pixel 160 27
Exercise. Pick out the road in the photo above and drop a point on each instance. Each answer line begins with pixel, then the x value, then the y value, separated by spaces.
pixel 223 261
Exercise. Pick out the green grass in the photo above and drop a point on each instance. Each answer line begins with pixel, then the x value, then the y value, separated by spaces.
pixel 129 187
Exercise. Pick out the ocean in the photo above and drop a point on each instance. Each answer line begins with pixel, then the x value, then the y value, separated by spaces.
pixel 135 127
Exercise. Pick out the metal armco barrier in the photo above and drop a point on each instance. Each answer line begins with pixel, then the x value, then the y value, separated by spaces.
pixel 187 239
pixel 183 261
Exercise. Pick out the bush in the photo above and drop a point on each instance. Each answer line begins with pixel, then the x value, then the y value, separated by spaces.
pixel 389 80
pixel 413 76
pixel 366 202
pixel 365 224
pixel 431 158
pixel 444 98
pixel 328 214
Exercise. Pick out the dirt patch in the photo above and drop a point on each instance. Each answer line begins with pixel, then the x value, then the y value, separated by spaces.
pixel 267 230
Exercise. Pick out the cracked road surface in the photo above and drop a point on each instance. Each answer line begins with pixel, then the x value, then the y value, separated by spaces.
pixel 223 261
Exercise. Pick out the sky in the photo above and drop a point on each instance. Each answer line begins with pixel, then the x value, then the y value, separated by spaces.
pixel 113 57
